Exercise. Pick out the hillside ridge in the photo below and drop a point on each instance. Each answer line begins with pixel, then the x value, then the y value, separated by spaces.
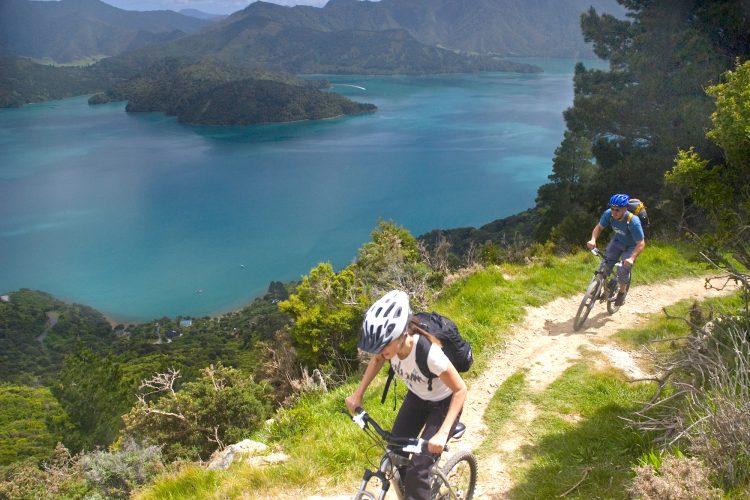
pixel 546 344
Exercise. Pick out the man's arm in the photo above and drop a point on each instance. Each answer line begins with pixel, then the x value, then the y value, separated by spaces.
pixel 594 235
pixel 639 246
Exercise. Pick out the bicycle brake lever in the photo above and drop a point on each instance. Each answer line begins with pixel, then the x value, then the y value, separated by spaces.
pixel 359 419
pixel 417 448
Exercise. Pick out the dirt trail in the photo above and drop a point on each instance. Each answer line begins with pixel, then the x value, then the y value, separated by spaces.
pixel 546 344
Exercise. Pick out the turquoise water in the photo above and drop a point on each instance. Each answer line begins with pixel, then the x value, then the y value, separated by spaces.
pixel 141 217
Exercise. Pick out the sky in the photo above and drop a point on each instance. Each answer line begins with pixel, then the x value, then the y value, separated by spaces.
pixel 210 6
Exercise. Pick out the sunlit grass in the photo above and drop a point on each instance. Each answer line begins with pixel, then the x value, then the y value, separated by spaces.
pixel 501 409
pixel 581 447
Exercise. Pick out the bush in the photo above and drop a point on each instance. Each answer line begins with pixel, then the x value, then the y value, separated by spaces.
pixel 223 406
pixel 703 401
pixel 677 478
pixel 118 473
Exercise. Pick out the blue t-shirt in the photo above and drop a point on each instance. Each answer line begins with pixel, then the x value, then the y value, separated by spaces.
pixel 627 234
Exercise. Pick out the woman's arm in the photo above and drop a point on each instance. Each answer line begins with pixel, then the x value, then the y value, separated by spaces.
pixel 453 380
pixel 373 368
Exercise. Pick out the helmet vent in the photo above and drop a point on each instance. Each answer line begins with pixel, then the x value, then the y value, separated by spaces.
pixel 389 328
pixel 390 307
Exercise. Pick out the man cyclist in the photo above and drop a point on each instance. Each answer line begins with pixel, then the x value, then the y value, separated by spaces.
pixel 627 244
pixel 391 333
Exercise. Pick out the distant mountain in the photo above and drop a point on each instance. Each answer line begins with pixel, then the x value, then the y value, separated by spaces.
pixel 200 14
pixel 505 27
pixel 71 30
pixel 289 39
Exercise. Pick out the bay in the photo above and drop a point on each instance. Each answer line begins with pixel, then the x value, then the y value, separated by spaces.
pixel 140 217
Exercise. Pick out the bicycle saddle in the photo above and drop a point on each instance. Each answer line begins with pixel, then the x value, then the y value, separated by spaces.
pixel 458 431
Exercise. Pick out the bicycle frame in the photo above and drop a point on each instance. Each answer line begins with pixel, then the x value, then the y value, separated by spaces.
pixel 388 471
pixel 599 289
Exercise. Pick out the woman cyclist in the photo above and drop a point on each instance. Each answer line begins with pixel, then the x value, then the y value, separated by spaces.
pixel 391 333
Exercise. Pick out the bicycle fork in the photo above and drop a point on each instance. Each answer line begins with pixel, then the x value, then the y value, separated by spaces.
pixel 385 483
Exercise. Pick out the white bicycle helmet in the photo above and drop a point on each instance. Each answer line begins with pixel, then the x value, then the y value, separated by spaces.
pixel 385 321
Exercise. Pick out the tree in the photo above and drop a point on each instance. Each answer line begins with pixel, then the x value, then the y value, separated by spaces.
pixel 327 308
pixel 650 104
pixel 31 423
pixel 223 406
pixel 94 393
pixel 720 188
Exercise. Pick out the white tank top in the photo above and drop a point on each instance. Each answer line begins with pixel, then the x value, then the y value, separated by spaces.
pixel 410 373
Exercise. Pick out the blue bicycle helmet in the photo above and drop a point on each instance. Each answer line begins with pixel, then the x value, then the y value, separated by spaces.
pixel 619 200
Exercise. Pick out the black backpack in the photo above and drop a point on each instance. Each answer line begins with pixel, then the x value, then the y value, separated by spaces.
pixel 455 347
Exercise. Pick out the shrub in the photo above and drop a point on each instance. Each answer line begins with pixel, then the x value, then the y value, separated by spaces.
pixel 703 401
pixel 223 406
pixel 117 473
pixel 678 478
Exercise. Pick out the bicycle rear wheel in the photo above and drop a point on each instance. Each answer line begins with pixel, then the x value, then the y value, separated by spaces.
pixel 587 302
pixel 461 473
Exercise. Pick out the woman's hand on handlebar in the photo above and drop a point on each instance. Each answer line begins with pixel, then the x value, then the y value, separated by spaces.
pixel 353 402
pixel 436 444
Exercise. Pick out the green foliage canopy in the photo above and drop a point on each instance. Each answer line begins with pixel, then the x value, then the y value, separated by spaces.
pixel 721 188
pixel 31 423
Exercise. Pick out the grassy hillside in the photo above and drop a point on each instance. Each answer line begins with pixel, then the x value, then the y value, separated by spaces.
pixel 327 453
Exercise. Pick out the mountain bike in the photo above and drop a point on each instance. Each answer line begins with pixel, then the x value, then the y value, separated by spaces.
pixel 603 287
pixel 455 480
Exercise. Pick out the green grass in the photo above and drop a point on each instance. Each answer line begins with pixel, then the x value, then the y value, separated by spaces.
pixel 659 327
pixel 501 409
pixel 327 451
pixel 191 481
pixel 581 446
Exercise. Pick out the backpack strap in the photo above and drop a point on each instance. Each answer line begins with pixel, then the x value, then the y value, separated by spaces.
pixel 423 350
pixel 391 373
pixel 629 217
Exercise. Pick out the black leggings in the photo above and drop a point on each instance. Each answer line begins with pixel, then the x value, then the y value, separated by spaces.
pixel 414 414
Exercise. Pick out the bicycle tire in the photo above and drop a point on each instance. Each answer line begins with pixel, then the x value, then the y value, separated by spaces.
pixel 364 495
pixel 587 302
pixel 461 473
pixel 611 307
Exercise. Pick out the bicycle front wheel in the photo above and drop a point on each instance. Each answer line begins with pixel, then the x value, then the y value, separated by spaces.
pixel 364 495
pixel 461 473
pixel 587 302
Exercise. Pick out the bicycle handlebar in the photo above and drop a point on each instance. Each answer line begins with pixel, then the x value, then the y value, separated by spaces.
pixel 599 254
pixel 416 446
